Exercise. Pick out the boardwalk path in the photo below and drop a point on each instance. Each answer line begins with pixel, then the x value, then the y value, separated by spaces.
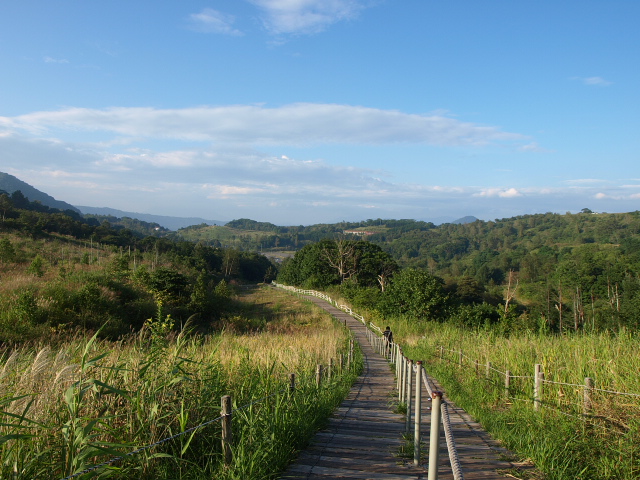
pixel 363 438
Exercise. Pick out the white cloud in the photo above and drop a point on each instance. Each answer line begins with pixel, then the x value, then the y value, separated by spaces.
pixel 235 182
pixel 294 124
pixel 55 60
pixel 593 81
pixel 213 21
pixel 305 16
pixel 585 181
pixel 498 192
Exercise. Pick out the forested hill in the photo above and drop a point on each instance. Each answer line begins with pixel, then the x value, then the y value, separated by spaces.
pixel 11 184
pixel 483 249
pixel 543 271
pixel 520 243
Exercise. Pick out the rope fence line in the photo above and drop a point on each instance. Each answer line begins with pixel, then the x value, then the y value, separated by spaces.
pixel 580 385
pixel 451 445
pixel 405 368
pixel 588 402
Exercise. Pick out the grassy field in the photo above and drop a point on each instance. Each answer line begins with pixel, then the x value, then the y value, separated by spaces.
pixel 88 400
pixel 559 438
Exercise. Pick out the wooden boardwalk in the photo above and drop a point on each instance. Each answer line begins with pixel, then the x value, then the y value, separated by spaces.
pixel 364 437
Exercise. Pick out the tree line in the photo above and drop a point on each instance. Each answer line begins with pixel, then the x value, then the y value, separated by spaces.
pixel 545 272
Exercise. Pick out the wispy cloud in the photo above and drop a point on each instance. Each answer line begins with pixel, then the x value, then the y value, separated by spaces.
pixel 213 21
pixel 305 16
pixel 498 192
pixel 214 182
pixel 55 60
pixel 295 124
pixel 593 81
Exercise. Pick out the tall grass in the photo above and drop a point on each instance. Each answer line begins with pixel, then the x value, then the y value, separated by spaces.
pixel 77 405
pixel 560 440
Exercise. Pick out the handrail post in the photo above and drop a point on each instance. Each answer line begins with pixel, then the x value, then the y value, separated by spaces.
pixel 227 434
pixel 403 370
pixel 318 375
pixel 292 382
pixel 434 438
pixel 330 369
pixel 418 415
pixel 407 427
pixel 398 362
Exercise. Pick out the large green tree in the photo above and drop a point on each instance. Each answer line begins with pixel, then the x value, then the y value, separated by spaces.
pixel 417 294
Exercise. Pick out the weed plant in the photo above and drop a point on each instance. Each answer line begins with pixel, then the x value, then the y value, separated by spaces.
pixel 88 400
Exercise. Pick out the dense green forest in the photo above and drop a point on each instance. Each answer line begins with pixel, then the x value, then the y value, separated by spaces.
pixel 545 272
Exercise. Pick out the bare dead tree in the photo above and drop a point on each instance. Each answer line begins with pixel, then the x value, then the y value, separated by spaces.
pixel 559 306
pixel 385 271
pixel 344 258
pixel 578 310
pixel 510 293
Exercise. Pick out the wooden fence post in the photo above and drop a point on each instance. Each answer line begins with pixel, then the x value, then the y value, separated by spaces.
pixel 330 369
pixel 227 435
pixel 318 375
pixel 588 390
pixel 407 426
pixel 487 373
pixel 434 437
pixel 507 382
pixel 537 386
pixel 441 352
pixel 292 382
pixel 477 367
pixel 341 362
pixel 417 415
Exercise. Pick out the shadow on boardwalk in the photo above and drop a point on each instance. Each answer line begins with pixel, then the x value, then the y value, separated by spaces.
pixel 364 436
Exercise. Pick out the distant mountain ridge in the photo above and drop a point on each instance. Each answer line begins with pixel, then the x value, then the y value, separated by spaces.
pixel 463 220
pixel 172 223
pixel 11 184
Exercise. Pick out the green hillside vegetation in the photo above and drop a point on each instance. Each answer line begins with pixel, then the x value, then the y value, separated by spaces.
pixel 544 272
pixel 111 340
pixel 62 273
pixel 562 291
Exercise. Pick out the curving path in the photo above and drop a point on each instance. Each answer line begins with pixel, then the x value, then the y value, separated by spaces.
pixel 364 437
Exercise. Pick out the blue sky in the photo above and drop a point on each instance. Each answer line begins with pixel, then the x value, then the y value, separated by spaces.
pixel 312 111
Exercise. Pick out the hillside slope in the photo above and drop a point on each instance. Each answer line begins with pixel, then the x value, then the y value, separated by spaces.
pixel 11 184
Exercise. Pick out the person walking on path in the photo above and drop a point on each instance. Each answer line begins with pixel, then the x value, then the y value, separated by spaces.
pixel 388 338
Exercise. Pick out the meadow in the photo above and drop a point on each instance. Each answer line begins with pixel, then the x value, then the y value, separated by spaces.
pixel 86 400
pixel 561 438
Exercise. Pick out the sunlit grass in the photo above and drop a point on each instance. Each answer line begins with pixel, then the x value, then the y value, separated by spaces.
pixel 68 407
pixel 562 442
